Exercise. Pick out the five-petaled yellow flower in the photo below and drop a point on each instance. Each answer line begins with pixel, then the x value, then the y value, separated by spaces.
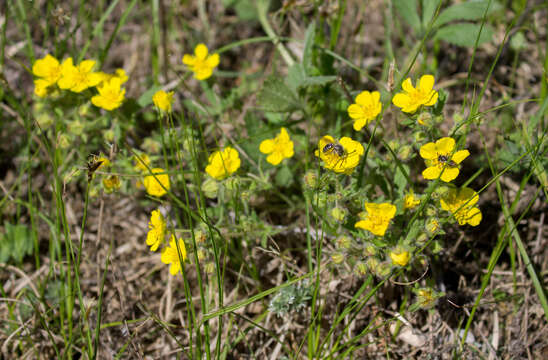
pixel 170 255
pixel 157 230
pixel 440 158
pixel 162 100
pixel 339 156
pixel 201 64
pixel 279 148
pixel 377 219
pixel 157 184
pixel 461 203
pixel 223 163
pixel 410 201
pixel 413 98
pixel 111 95
pixel 400 257
pixel 78 78
pixel 48 71
pixel 366 108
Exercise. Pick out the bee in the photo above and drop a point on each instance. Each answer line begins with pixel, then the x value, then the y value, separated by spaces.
pixel 334 148
pixel 445 160
pixel 92 165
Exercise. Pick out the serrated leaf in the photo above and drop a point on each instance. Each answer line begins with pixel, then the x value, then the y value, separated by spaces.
pixel 276 96
pixel 295 76
pixel 465 34
pixel 400 180
pixel 407 9
pixel 470 10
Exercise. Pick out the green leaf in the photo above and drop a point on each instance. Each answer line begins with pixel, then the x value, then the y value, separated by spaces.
pixel 16 242
pixel 276 96
pixel 284 177
pixel 400 180
pixel 146 98
pixel 470 10
pixel 295 76
pixel 308 45
pixel 428 9
pixel 465 34
pixel 407 9
pixel 318 80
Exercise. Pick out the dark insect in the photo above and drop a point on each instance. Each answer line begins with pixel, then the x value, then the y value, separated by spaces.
pixel 444 159
pixel 92 166
pixel 334 147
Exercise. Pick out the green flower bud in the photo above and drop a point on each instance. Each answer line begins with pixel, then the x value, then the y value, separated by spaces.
pixel 370 250
pixel 109 135
pixel 360 269
pixel 419 137
pixel 202 254
pixel 432 226
pixel 76 127
pixel 83 110
pixel 232 183
pixel 422 239
pixel 404 152
pixel 44 120
pixel 343 242
pixel 372 264
pixel 63 141
pixel 338 214
pixel 151 146
pixel 210 268
pixel 311 179
pixel 425 119
pixel 199 236
pixel 210 187
pixel 337 258
pixel 383 269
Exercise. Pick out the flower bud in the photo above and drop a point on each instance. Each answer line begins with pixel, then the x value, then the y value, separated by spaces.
pixel 63 141
pixel 400 257
pixel 232 183
pixel 425 119
pixel 44 120
pixel 111 183
pixel 382 270
pixel 76 127
pixel 199 236
pixel 343 242
pixel 338 214
pixel 404 152
pixel 202 254
pixel 311 179
pixel 83 110
pixel 210 268
pixel 337 258
pixel 432 226
pixel 370 250
pixel 419 137
pixel 151 146
pixel 210 187
pixel 109 135
pixel 360 269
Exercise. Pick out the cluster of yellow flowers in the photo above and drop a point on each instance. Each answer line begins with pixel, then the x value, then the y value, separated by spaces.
pixel 77 78
pixel 173 254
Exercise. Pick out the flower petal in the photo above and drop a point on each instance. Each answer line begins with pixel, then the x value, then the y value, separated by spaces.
pixel 433 98
pixel 213 60
pixel 363 98
pixel 201 51
pixel 460 155
pixel 426 83
pixel 445 145
pixel 428 151
pixel 474 216
pixel 267 146
pixel 431 173
pixel 359 124
pixel 449 174
pixel 189 60
pixel 355 111
pixel 401 100
pixel 275 158
pixel 407 86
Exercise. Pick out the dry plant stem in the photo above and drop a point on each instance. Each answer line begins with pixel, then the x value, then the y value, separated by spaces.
pixel 262 11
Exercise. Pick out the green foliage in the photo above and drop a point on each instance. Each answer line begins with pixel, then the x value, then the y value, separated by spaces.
pixel 290 298
pixel 15 243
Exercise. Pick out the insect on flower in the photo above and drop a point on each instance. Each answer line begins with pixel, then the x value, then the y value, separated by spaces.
pixel 95 163
pixel 337 149
pixel 339 156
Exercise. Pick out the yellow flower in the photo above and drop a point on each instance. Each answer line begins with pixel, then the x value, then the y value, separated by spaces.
pixel 111 183
pixel 400 257
pixel 163 100
pixel 78 78
pixel 156 187
pixel 157 230
pixel 410 201
pixel 439 157
pixel 411 99
pixel 119 73
pixel 366 108
pixel 110 95
pixel 279 148
pixel 170 255
pixel 41 87
pixel 141 162
pixel 377 219
pixel 47 69
pixel 223 163
pixel 201 64
pixel 339 156
pixel 461 203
